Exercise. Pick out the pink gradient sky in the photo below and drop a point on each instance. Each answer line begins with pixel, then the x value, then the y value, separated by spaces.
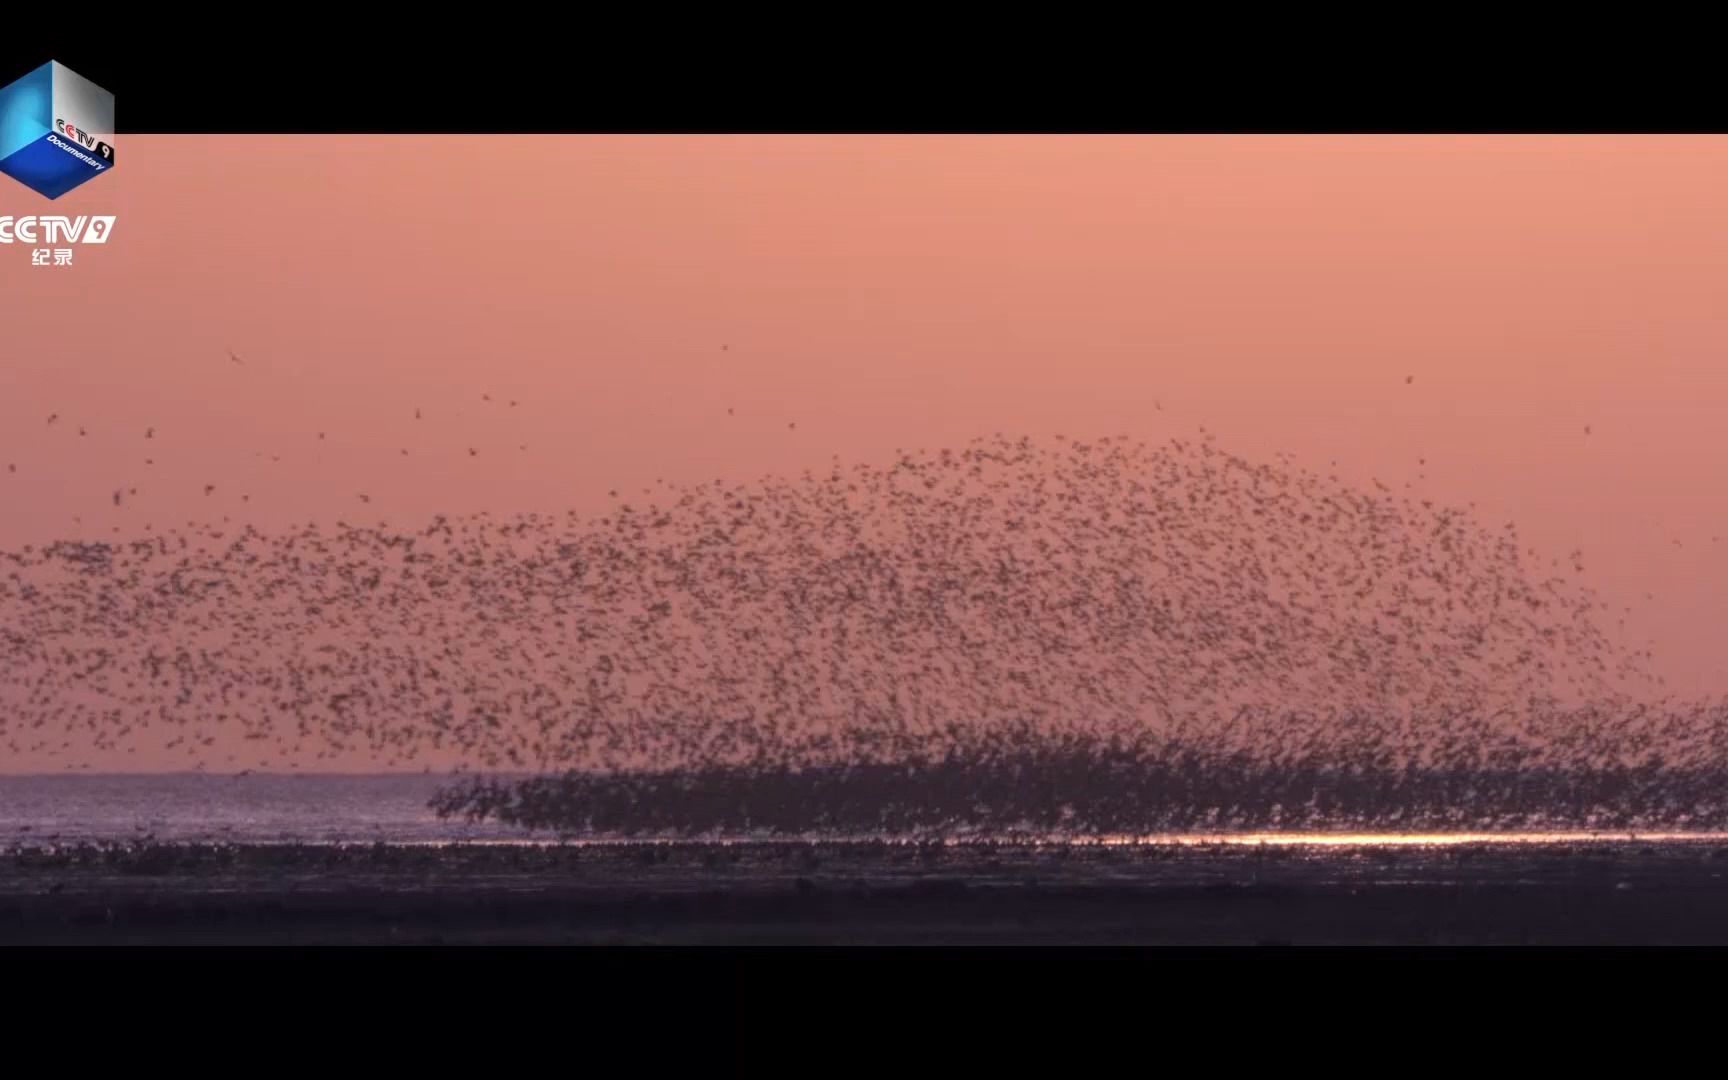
pixel 886 292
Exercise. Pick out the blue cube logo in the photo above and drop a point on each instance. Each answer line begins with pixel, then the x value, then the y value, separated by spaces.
pixel 56 130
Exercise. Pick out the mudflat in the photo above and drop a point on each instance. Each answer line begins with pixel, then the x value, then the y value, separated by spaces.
pixel 866 893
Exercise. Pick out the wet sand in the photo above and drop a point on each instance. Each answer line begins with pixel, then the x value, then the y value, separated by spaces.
pixel 1623 892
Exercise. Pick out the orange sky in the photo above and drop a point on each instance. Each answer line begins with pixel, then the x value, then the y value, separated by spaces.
pixel 885 292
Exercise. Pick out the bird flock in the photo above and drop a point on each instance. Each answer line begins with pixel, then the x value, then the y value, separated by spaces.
pixel 868 612
pixel 1016 607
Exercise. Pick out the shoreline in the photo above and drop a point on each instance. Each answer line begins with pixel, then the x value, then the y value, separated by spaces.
pixel 1619 892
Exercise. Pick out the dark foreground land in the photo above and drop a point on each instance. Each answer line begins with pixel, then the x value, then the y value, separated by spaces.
pixel 1623 892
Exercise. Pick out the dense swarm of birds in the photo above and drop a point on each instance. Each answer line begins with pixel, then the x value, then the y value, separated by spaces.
pixel 1013 598
pixel 1040 788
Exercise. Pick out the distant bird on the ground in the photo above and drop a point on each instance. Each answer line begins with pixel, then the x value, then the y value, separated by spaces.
pixel 485 397
pixel 1408 379
pixel 320 434
pixel 81 431
pixel 209 489
pixel 473 452
pixel 793 426
pixel 1586 429
pixel 236 359
pixel 365 498
pixel 117 498
pixel 723 348
pixel 149 433
pixel 731 412
pixel 53 417
pixel 416 414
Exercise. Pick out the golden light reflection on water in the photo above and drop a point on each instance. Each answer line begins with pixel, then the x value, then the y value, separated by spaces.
pixel 1366 839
